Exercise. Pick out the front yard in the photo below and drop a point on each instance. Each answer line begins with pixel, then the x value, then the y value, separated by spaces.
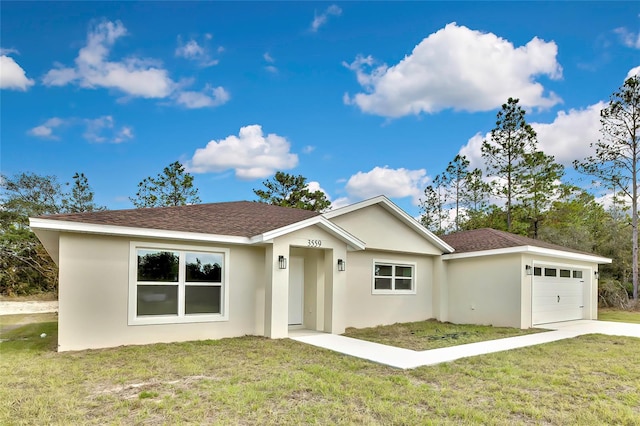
pixel 251 380
pixel 432 334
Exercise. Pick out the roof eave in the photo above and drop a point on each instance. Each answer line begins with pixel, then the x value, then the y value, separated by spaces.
pixel 126 231
pixel 533 250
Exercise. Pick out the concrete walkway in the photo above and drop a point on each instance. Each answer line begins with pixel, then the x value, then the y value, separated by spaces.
pixel 29 307
pixel 406 358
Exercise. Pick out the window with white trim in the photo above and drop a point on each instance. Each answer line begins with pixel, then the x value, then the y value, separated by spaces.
pixel 393 278
pixel 176 284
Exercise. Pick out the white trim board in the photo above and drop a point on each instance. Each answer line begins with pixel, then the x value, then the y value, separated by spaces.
pixel 533 250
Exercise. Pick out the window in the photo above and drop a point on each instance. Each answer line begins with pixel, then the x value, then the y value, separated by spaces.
pixel 177 284
pixel 577 274
pixel 391 278
pixel 565 273
pixel 537 271
pixel 550 272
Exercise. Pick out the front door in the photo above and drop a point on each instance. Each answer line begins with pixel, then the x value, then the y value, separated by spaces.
pixel 296 290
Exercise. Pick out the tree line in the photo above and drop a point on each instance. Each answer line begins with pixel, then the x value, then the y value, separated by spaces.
pixel 520 191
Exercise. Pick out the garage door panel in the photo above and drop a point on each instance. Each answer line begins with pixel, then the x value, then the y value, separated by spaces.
pixel 556 299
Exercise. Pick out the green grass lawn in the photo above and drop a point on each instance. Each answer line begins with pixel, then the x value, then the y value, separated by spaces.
pixel 618 315
pixel 432 334
pixel 251 380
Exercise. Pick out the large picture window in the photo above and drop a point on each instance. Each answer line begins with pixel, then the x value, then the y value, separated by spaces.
pixel 393 278
pixel 177 284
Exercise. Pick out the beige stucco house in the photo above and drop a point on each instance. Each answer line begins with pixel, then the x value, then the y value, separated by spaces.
pixel 230 269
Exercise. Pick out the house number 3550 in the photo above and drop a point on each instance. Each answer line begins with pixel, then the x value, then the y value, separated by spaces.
pixel 314 243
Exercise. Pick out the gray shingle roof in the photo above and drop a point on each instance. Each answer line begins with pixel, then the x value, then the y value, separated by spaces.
pixel 492 239
pixel 239 218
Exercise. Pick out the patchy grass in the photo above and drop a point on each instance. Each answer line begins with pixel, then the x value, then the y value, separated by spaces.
pixel 9 322
pixel 619 315
pixel 432 334
pixel 251 380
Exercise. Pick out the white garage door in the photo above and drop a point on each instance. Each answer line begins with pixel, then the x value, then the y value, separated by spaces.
pixel 558 294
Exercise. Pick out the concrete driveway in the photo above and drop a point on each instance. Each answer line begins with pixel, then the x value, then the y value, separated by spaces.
pixel 406 358
pixel 601 327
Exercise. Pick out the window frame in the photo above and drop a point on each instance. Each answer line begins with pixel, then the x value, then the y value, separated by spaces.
pixel 393 264
pixel 181 317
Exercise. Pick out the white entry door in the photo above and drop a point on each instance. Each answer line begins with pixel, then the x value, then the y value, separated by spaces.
pixel 296 290
pixel 558 294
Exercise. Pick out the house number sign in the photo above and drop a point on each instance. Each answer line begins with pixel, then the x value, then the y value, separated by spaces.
pixel 314 243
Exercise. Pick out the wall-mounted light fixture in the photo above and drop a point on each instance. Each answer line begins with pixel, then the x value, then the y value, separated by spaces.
pixel 596 274
pixel 282 262
pixel 528 269
pixel 342 265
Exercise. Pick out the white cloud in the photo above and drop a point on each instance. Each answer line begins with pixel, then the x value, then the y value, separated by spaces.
pixel 321 19
pixel 394 183
pixel 98 130
pixel 570 134
pixel 340 202
pixel 45 130
pixel 192 51
pixel 133 76
pixel 457 68
pixel 210 97
pixel 124 134
pixel 308 149
pixel 270 60
pixel 251 154
pixel 103 129
pixel 472 150
pixel 634 72
pixel 628 38
pixel 12 76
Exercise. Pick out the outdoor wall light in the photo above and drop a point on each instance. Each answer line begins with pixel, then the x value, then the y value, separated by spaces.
pixel 282 262
pixel 342 265
pixel 528 269
pixel 596 274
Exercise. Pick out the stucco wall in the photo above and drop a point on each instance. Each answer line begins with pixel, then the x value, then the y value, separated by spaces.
pixel 364 309
pixel 485 290
pixel 380 230
pixel 94 288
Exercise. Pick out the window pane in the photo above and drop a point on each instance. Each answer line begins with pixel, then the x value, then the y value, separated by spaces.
pixel 156 265
pixel 549 272
pixel 202 299
pixel 157 300
pixel 403 284
pixel 404 271
pixel 577 274
pixel 383 270
pixel 383 284
pixel 537 271
pixel 204 267
pixel 565 273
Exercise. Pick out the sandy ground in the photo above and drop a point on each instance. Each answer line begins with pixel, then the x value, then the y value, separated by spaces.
pixel 35 307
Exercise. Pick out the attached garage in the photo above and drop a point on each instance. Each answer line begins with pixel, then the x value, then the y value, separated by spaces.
pixel 557 293
pixel 503 279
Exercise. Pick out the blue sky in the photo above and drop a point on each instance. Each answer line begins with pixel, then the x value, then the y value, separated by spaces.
pixel 360 98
